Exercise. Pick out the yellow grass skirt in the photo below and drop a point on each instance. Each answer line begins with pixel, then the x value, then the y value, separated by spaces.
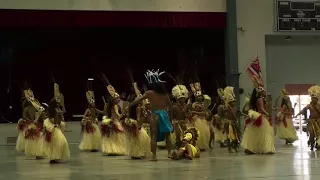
pixel 258 139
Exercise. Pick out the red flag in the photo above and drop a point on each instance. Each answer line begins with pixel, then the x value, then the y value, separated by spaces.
pixel 254 69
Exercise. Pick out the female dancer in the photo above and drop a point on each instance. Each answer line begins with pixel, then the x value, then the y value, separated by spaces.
pixel 22 123
pixel 138 140
pixel 199 116
pixel 286 130
pixel 91 139
pixel 34 130
pixel 55 146
pixel 113 136
pixel 258 137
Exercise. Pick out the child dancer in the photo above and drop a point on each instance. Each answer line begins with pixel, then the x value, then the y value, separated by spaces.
pixel 199 116
pixel 188 149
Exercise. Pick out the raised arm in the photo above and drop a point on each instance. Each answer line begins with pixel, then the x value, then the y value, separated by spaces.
pixel 99 111
pixel 116 110
pixel 139 99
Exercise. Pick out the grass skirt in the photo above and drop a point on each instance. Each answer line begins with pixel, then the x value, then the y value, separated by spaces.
pixel 258 136
pixel 91 140
pixel 202 125
pixel 113 137
pixel 33 141
pixel 139 145
pixel 286 130
pixel 20 144
pixel 219 136
pixel 54 143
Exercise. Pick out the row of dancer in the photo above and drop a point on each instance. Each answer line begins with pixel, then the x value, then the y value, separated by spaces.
pixel 157 119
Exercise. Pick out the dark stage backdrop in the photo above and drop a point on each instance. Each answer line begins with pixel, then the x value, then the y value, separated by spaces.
pixel 75 54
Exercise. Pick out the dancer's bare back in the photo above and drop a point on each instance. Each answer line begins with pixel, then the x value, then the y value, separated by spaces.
pixel 157 101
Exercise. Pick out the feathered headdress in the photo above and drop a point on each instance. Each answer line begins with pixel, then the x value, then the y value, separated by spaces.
pixel 35 103
pixel 283 93
pixel 179 90
pixel 90 93
pixel 207 100
pixel 196 89
pixel 257 83
pixel 192 134
pixel 314 91
pixel 110 88
pixel 229 94
pixel 154 76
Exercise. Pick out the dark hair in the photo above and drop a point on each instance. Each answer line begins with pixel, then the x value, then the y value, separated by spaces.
pixel 157 87
pixel 53 104
pixel 253 99
pixel 284 102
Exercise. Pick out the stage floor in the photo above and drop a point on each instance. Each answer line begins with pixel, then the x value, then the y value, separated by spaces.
pixel 294 162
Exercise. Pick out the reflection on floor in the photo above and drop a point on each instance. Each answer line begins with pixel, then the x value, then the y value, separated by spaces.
pixel 291 162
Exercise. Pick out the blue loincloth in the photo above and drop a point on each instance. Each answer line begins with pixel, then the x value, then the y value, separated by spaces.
pixel 164 124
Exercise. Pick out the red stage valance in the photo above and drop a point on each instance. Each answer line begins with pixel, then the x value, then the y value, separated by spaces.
pixel 59 18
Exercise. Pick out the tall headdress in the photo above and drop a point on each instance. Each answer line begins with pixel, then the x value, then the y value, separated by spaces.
pixel 136 88
pixel 179 90
pixel 154 76
pixel 28 93
pixel 258 83
pixel 229 94
pixel 114 94
pixel 90 93
pixel 58 96
pixel 314 91
pixel 192 134
pixel 196 89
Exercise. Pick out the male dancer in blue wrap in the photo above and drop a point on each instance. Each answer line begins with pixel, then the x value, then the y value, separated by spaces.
pixel 160 124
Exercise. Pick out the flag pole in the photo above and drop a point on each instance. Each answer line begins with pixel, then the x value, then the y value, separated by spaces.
pixel 252 59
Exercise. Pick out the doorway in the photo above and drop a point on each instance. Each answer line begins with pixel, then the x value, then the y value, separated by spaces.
pixel 299 97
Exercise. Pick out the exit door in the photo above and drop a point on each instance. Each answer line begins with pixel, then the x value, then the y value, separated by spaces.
pixel 299 97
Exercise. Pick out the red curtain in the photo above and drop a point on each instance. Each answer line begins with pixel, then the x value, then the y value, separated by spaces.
pixel 55 18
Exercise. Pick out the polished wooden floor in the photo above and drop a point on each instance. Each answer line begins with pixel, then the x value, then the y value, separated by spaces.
pixel 291 162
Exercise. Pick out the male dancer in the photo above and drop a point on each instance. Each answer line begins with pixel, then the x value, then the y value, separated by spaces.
pixel 160 124
pixel 314 118
pixel 180 93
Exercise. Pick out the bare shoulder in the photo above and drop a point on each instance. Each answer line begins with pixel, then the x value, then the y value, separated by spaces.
pixel 149 93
